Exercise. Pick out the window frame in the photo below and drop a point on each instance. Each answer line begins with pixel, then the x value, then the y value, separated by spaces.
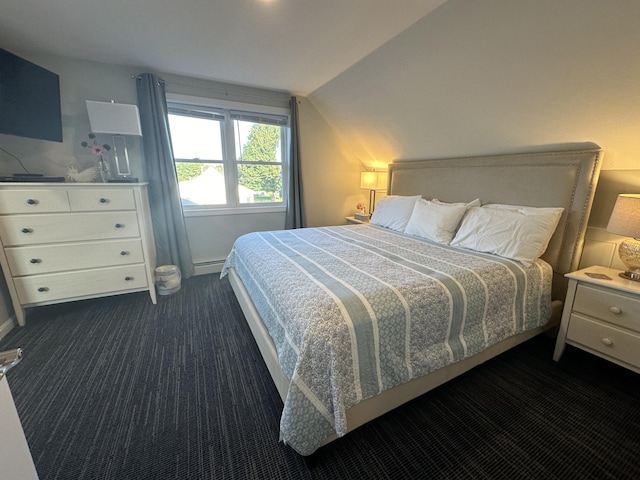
pixel 228 109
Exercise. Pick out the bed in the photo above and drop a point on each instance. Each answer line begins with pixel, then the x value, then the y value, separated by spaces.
pixel 355 320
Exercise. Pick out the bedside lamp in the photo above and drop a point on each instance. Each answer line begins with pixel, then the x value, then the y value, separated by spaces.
pixel 625 220
pixel 117 119
pixel 373 181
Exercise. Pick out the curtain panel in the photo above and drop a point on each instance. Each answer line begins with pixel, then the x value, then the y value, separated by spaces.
pixel 172 243
pixel 294 216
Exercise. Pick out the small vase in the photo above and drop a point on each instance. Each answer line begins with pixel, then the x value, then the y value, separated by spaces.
pixel 103 166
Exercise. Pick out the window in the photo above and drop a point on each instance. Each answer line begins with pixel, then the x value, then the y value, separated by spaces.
pixel 228 157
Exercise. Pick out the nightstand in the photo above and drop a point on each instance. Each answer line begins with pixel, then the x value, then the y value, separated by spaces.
pixel 602 316
pixel 354 220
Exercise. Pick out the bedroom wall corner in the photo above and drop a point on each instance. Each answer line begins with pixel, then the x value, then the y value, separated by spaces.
pixel 330 171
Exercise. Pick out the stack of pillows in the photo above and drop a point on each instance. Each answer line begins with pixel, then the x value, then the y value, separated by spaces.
pixel 519 233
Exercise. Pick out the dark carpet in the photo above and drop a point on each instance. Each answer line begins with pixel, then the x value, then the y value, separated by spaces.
pixel 117 388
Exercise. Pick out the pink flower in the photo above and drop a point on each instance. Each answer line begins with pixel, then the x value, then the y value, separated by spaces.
pixel 97 150
pixel 361 206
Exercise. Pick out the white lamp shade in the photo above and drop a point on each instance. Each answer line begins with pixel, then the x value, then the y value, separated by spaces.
pixel 114 118
pixel 373 180
pixel 625 217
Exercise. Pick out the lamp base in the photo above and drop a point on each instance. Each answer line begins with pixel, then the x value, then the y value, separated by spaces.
pixel 635 276
pixel 629 251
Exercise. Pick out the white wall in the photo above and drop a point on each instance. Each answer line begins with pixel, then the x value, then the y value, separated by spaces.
pixel 330 171
pixel 496 76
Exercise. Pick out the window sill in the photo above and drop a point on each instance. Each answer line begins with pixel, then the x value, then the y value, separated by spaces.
pixel 218 211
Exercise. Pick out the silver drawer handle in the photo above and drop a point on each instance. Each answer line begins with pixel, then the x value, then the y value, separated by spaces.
pixel 128 279
pixel 32 201
pixel 119 225
pixel 104 200
pixel 35 260
pixel 43 289
pixel 615 310
pixel 124 253
pixel 27 230
pixel 607 341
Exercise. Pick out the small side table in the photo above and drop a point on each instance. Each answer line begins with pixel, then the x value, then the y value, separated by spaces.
pixel 602 316
pixel 354 220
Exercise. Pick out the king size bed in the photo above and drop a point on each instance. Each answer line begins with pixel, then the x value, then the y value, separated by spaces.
pixel 355 320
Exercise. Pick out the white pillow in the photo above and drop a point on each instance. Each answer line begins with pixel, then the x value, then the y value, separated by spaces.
pixel 473 203
pixel 394 211
pixel 519 233
pixel 435 220
pixel 526 210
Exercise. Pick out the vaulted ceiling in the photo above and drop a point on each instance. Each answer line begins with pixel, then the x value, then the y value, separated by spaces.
pixel 294 46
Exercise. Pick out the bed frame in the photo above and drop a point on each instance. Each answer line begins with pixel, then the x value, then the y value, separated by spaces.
pixel 548 179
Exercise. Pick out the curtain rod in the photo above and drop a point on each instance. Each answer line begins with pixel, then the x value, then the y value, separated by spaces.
pixel 217 90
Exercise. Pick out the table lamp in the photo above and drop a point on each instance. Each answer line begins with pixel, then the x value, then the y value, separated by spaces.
pixel 373 181
pixel 625 220
pixel 117 119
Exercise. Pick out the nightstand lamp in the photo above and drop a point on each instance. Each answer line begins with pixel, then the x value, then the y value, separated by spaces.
pixel 374 182
pixel 625 220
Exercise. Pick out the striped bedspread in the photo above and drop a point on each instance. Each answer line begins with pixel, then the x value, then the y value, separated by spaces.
pixel 357 309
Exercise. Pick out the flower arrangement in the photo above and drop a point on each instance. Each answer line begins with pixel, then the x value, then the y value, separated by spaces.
pixel 98 150
pixel 361 207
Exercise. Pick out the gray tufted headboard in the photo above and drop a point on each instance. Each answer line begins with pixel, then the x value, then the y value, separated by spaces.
pixel 546 179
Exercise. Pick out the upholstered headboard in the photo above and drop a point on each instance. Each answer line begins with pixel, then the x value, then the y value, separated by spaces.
pixel 546 179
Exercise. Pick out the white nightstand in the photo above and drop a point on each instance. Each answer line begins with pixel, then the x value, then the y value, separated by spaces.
pixel 602 316
pixel 354 220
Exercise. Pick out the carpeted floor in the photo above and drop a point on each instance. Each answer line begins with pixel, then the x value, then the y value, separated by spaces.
pixel 118 388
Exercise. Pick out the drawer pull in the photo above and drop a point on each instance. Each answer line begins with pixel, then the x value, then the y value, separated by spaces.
pixel 43 289
pixel 119 225
pixel 104 200
pixel 32 201
pixel 615 310
pixel 27 230
pixel 607 341
pixel 124 253
pixel 35 260
pixel 128 279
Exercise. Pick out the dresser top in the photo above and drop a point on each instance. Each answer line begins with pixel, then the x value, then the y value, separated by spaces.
pixel 36 185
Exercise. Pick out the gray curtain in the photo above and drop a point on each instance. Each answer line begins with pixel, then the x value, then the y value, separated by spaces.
pixel 294 217
pixel 172 244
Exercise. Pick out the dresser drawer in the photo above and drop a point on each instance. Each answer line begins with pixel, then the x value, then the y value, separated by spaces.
pixel 59 286
pixel 72 256
pixel 614 307
pixel 33 201
pixel 101 199
pixel 606 339
pixel 35 229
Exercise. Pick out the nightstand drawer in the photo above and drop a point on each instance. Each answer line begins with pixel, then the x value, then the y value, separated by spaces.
pixel 616 308
pixel 603 338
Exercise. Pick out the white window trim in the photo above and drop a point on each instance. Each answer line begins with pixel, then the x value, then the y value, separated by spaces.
pixel 226 104
pixel 215 210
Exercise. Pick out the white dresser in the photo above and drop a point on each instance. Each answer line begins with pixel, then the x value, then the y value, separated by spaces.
pixel 65 241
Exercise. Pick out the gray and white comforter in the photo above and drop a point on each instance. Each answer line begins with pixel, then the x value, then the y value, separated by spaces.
pixel 355 310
